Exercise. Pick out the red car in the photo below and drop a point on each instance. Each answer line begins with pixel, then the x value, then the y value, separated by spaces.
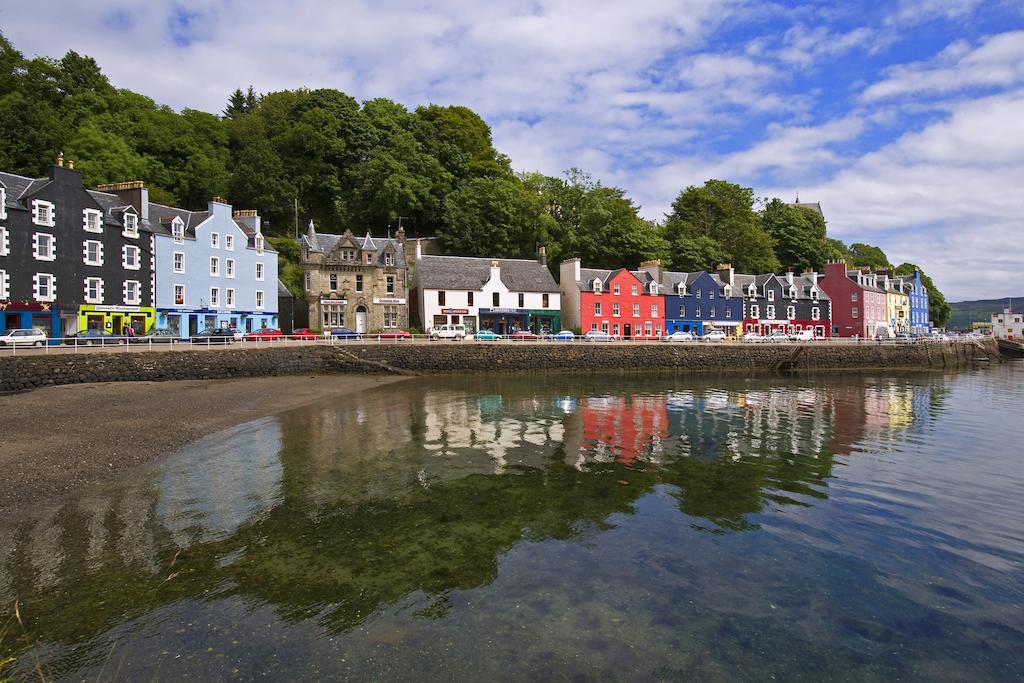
pixel 523 335
pixel 266 334
pixel 304 333
pixel 397 335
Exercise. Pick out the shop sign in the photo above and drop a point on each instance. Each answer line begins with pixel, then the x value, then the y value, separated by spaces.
pixel 455 311
pixel 8 305
pixel 513 311
pixel 388 300
pixel 114 309
pixel 334 302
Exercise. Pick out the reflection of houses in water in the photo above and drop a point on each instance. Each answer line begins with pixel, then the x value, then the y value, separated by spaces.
pixel 624 429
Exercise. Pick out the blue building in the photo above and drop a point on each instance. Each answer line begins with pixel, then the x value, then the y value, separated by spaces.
pixel 918 293
pixel 213 267
pixel 698 302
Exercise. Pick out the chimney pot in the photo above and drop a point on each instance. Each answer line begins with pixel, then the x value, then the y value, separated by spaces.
pixel 71 163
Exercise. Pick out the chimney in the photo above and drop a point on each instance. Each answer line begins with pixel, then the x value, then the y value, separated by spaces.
pixel 726 273
pixel 60 159
pixel 789 277
pixel 654 268
pixel 570 268
pixel 71 163
pixel 400 234
pixel 419 250
pixel 495 271
pixel 542 255
pixel 248 217
pixel 132 192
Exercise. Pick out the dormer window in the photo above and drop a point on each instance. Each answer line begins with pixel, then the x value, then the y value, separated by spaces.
pixel 751 291
pixel 681 289
pixel 131 224
pixel 389 259
pixel 369 258
pixel 259 244
pixel 178 231
pixel 597 285
pixel 814 295
pixel 727 291
pixel 3 204
pixel 348 254
pixel 92 220
pixel 653 287
pixel 792 292
pixel 43 213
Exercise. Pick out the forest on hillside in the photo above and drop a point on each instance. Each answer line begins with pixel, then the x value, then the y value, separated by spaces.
pixel 323 155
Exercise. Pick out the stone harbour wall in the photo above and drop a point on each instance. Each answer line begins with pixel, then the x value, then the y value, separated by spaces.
pixel 29 371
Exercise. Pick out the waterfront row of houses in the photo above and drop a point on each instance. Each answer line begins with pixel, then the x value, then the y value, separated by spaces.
pixel 74 259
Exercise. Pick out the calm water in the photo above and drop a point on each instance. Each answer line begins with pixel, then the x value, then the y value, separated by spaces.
pixel 832 528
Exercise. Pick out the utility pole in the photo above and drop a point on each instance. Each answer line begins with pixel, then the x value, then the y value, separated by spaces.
pixel 296 218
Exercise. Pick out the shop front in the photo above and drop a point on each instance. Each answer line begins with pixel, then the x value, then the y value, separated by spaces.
pixel 114 319
pixel 504 321
pixel 185 323
pixel 545 321
pixel 454 316
pixel 20 315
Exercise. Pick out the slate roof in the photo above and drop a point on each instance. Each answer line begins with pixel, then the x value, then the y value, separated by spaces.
pixel 588 275
pixel 282 290
pixel 813 206
pixel 470 274
pixel 852 274
pixel 327 242
pixel 670 280
pixel 16 186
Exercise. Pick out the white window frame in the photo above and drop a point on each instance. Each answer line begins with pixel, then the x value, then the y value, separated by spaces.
pixel 90 215
pixel 652 288
pixel 98 282
pixel 214 240
pixel 790 312
pixel 260 299
pixel 615 310
pixel 755 312
pixel 771 295
pixel 127 249
pixel 51 286
pixel 214 266
pixel 175 262
pixel 261 272
pixel 214 297
pixel 815 313
pixel 3 204
pixel 770 312
pixel 229 267
pixel 229 242
pixel 229 297
pixel 597 309
pixel 174 301
pixel 98 261
pixel 636 310
pixel 5 242
pixel 389 260
pixel 178 230
pixel 51 213
pixel 259 244
pixel 5 285
pixel 132 300
pixel 681 289
pixel 35 246
pixel 131 224
pixel 597 286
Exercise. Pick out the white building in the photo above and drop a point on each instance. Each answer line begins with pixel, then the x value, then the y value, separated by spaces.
pixel 1008 325
pixel 503 295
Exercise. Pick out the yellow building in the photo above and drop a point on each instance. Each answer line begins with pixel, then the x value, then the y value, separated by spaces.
pixel 897 302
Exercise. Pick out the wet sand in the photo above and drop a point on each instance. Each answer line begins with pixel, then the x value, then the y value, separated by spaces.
pixel 58 440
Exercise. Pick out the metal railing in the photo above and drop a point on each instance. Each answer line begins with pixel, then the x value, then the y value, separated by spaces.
pixel 63 345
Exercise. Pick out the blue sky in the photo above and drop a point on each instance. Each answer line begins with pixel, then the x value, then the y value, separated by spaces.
pixel 903 118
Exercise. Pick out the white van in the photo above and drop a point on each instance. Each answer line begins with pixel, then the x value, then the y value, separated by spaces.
pixel 456 332
pixel 802 335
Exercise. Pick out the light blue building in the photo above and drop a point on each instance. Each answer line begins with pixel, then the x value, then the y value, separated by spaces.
pixel 213 267
pixel 918 293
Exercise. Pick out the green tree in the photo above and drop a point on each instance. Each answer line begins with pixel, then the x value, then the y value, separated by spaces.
pixel 492 217
pixel 939 309
pixel 697 253
pixel 799 235
pixel 724 213
pixel 862 255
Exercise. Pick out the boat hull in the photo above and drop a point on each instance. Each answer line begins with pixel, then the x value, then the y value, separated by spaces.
pixel 1011 349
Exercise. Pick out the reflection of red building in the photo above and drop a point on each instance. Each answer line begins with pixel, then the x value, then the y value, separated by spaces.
pixel 629 427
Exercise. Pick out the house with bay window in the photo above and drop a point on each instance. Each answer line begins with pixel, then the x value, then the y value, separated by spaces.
pixel 213 268
pixel 71 258
pixel 357 283
pixel 501 295
pixel 624 303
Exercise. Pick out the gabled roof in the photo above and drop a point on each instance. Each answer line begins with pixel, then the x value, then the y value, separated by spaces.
pixel 283 291
pixel 16 185
pixel 471 274
pixel 325 243
pixel 670 280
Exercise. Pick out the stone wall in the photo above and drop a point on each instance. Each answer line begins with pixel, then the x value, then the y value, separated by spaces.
pixel 30 370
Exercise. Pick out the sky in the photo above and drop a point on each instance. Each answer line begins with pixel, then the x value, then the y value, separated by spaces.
pixel 903 118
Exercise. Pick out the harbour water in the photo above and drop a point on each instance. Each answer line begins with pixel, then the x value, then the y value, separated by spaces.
pixel 833 527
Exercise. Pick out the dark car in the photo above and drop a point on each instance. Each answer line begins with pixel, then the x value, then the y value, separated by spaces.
pixel 214 335
pixel 345 333
pixel 156 337
pixel 94 338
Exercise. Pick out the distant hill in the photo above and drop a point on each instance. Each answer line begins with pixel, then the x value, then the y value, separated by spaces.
pixel 967 312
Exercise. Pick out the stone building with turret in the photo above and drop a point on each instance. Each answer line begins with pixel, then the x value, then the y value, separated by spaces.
pixel 358 283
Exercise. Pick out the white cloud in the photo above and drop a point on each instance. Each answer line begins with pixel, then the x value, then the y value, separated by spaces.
pixel 920 11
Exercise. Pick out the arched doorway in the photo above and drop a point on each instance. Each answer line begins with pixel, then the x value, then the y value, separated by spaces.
pixel 361 319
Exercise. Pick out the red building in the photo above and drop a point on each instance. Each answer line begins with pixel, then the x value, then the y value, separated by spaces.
pixel 622 302
pixel 626 428
pixel 858 303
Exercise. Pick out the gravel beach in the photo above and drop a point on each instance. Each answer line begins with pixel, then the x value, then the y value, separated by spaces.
pixel 57 440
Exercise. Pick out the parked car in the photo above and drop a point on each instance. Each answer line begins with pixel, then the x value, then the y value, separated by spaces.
pixel 523 335
pixel 265 334
pixel 714 336
pixel 456 332
pixel 345 333
pixel 304 333
pixel 904 338
pixel 487 335
pixel 777 337
pixel 28 337
pixel 214 335
pixel 802 335
pixel 563 335
pixel 395 335
pixel 597 336
pixel 93 338
pixel 678 336
pixel 754 338
pixel 156 337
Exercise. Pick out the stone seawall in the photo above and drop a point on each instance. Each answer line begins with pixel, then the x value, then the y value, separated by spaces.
pixel 29 371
